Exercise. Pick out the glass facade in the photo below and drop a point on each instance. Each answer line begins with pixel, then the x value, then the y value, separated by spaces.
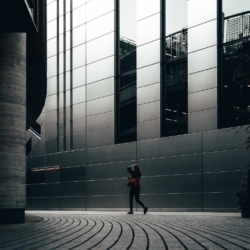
pixel 142 81
pixel 236 63
pixel 126 86
pixel 176 79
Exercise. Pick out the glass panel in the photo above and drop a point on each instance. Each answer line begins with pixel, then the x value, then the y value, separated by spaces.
pixel 61 24
pixel 51 66
pixel 68 64
pixel 176 16
pixel 61 116
pixel 79 56
pixel 52 11
pixel 100 48
pixel 52 47
pixel 61 7
pixel 77 3
pixel 68 81
pixel 52 29
pixel 100 26
pixel 100 70
pixel 79 95
pixel 68 40
pixel 52 86
pixel 147 8
pixel 68 21
pixel 79 35
pixel 176 51
pixel 51 102
pixel 235 107
pixel 61 82
pixel 68 98
pixel 61 63
pixel 61 43
pixel 61 100
pixel 78 77
pixel 67 5
pixel 97 8
pixel 78 16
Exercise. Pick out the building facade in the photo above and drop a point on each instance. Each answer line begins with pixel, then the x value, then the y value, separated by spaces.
pixel 163 83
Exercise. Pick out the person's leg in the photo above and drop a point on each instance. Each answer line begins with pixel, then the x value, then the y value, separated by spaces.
pixel 137 196
pixel 131 196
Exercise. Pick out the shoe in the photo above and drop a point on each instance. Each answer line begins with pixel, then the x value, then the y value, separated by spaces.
pixel 145 210
pixel 130 212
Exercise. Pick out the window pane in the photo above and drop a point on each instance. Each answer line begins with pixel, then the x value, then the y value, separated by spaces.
pixel 68 81
pixel 78 16
pixel 68 21
pixel 68 97
pixel 68 40
pixel 51 66
pixel 77 3
pixel 61 63
pixel 78 77
pixel 79 35
pixel 52 47
pixel 61 82
pixel 61 24
pixel 176 16
pixel 52 11
pixel 52 29
pixel 61 7
pixel 61 43
pixel 79 95
pixel 68 60
pixel 79 56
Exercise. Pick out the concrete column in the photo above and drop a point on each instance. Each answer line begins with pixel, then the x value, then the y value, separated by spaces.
pixel 12 126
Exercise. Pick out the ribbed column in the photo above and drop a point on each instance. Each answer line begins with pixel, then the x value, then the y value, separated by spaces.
pixel 12 126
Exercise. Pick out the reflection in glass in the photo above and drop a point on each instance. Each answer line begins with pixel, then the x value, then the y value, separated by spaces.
pixel 235 105
pixel 175 85
pixel 176 16
pixel 126 96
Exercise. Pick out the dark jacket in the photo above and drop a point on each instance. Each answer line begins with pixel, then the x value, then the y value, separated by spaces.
pixel 132 172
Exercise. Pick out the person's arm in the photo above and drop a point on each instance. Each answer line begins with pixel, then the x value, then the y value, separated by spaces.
pixel 130 170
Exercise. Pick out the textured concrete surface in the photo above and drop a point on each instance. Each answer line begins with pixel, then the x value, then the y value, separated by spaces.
pixel 117 230
pixel 13 118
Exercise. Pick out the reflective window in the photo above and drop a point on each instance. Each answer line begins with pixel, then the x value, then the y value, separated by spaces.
pixel 68 40
pixel 61 63
pixel 126 91
pixel 61 82
pixel 52 66
pixel 61 43
pixel 61 7
pixel 235 99
pixel 52 47
pixel 77 3
pixel 78 35
pixel 78 56
pixel 61 24
pixel 68 60
pixel 51 11
pixel 78 77
pixel 176 76
pixel 52 29
pixel 68 80
pixel 61 100
pixel 79 95
pixel 68 21
pixel 68 98
pixel 78 16
pixel 52 85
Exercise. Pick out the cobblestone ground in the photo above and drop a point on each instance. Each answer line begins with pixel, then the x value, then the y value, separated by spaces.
pixel 137 231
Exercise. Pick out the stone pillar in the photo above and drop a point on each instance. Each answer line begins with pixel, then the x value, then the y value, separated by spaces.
pixel 12 127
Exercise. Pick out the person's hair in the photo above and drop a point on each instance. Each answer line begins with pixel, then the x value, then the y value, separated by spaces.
pixel 137 168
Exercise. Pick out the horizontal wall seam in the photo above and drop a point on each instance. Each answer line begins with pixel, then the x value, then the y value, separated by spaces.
pixel 149 16
pixel 202 70
pixel 202 49
pixel 202 23
pixel 189 93
pixel 202 110
pixel 138 46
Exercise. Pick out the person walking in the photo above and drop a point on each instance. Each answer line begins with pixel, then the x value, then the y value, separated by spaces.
pixel 135 171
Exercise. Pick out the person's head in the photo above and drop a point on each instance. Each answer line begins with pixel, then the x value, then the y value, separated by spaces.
pixel 137 168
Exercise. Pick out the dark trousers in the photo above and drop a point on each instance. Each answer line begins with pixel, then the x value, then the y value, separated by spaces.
pixel 135 192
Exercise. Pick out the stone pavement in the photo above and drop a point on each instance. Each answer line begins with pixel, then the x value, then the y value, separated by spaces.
pixel 117 230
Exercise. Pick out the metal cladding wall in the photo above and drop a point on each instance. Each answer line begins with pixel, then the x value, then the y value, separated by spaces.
pixel 192 172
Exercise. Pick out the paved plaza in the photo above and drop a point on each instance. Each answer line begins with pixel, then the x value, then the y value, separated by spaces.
pixel 117 230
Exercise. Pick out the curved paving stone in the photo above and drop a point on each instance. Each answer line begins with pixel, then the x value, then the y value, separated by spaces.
pixel 83 230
